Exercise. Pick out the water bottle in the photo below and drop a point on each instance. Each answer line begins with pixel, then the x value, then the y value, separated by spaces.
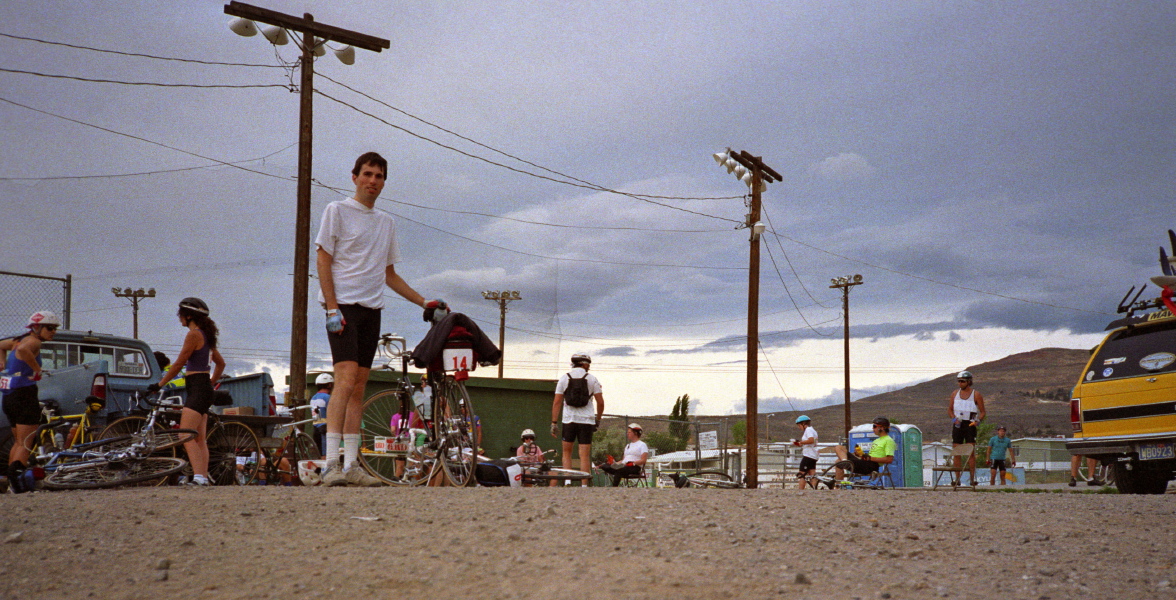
pixel 58 440
pixel 30 480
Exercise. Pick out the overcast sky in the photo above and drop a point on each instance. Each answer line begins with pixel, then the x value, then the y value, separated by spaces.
pixel 999 174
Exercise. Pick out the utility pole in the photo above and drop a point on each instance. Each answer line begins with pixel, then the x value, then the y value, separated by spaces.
pixel 310 30
pixel 752 171
pixel 844 283
pixel 134 296
pixel 502 298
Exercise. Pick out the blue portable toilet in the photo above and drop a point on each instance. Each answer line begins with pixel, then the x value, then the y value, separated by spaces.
pixel 907 468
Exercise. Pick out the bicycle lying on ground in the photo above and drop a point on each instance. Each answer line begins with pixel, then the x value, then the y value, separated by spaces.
pixel 539 470
pixel 705 479
pixel 115 461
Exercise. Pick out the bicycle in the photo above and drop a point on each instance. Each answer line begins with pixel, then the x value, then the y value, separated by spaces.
pixel 296 446
pixel 542 472
pixel 61 432
pixel 706 479
pixel 450 424
pixel 116 461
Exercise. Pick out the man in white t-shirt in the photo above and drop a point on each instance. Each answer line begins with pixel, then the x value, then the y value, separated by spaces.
pixel 579 422
pixel 808 443
pixel 631 463
pixel 357 252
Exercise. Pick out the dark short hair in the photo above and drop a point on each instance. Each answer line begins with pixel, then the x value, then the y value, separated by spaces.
pixel 370 158
pixel 162 359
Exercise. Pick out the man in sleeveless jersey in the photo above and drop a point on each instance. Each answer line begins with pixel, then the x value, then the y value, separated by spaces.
pixel 966 407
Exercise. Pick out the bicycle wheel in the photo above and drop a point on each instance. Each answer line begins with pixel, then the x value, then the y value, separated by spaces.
pixel 555 473
pixel 112 474
pixel 377 422
pixel 455 430
pixel 163 439
pixel 227 442
pixel 295 448
pixel 420 466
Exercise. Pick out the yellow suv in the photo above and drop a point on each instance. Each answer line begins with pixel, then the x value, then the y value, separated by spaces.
pixel 1123 408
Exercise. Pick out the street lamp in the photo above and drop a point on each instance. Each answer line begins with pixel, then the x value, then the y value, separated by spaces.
pixel 752 171
pixel 313 43
pixel 134 296
pixel 502 298
pixel 844 283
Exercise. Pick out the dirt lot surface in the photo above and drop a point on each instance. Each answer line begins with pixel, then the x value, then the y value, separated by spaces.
pixel 267 542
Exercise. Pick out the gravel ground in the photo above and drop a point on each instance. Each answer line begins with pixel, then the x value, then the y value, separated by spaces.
pixel 267 542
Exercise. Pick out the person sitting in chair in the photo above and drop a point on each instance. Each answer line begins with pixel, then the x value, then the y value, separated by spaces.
pixel 881 453
pixel 636 452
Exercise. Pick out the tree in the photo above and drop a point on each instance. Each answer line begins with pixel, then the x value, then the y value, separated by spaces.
pixel 607 442
pixel 680 418
pixel 663 442
pixel 739 432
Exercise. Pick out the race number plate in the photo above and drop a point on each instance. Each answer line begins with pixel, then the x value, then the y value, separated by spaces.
pixel 458 359
pixel 1157 451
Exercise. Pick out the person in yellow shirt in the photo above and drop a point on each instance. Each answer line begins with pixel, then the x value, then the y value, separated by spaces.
pixel 881 453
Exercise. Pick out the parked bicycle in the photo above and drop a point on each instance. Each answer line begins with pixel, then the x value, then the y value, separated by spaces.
pixel 61 432
pixel 281 465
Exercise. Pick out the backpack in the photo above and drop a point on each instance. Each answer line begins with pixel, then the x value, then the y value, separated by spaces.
pixel 576 395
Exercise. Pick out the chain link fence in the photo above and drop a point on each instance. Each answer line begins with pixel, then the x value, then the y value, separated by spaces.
pixel 22 294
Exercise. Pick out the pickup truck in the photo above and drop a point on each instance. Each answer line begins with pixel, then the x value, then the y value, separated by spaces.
pixel 1123 408
pixel 78 364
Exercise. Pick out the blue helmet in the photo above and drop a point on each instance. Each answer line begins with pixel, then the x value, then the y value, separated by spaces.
pixel 802 419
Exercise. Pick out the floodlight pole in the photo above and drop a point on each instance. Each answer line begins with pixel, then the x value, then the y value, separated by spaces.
pixel 309 29
pixel 134 296
pixel 759 174
pixel 502 299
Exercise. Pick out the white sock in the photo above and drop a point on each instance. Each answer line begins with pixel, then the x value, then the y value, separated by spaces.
pixel 332 447
pixel 350 449
pixel 200 478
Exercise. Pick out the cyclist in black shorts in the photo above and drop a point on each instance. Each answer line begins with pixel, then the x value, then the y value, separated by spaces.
pixel 198 354
pixel 579 422
pixel 18 383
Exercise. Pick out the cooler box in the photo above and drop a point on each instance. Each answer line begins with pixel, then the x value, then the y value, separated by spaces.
pixel 907 468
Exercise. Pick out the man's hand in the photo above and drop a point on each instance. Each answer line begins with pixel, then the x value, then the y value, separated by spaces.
pixel 153 388
pixel 335 321
pixel 555 430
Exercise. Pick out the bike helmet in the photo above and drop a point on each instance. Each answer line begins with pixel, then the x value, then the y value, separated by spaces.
pixel 194 304
pixel 581 357
pixel 527 433
pixel 883 421
pixel 324 379
pixel 44 317
pixel 802 419
pixel 964 375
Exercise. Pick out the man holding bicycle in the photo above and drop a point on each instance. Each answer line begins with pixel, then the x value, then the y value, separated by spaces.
pixel 356 256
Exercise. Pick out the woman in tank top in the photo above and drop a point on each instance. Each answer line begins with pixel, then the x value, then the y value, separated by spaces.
pixel 199 348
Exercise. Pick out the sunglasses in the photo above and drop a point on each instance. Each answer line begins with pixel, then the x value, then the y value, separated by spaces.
pixel 528 438
pixel 961 381
pixel 49 327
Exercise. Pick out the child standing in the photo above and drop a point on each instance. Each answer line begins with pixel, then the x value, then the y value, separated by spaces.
pixel 807 441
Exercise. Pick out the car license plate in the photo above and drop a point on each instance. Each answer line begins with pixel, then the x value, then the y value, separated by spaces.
pixel 1157 451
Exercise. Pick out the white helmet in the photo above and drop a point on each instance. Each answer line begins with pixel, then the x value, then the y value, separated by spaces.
pixel 528 433
pixel 964 375
pixel 324 379
pixel 44 317
pixel 580 357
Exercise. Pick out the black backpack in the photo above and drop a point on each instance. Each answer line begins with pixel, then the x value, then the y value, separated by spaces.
pixel 576 395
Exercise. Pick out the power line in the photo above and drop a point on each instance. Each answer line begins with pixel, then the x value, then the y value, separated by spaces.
pixel 776 376
pixel 508 155
pixel 149 83
pixel 522 171
pixel 119 52
pixel 162 171
pixel 789 292
pixel 764 210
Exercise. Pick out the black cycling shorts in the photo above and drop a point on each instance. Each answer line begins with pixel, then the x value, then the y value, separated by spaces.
pixel 862 466
pixel 999 463
pixel 807 464
pixel 200 393
pixel 964 434
pixel 359 338
pixel 21 406
pixel 580 433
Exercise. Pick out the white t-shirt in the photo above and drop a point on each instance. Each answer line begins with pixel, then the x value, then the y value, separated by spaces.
pixel 634 451
pixel 362 243
pixel 585 414
pixel 809 450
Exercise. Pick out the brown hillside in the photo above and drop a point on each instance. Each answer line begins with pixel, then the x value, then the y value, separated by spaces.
pixel 1029 393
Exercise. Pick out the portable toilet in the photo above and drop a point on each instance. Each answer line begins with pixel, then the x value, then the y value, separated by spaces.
pixel 907 468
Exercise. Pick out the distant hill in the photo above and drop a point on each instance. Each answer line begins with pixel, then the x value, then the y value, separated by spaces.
pixel 1029 393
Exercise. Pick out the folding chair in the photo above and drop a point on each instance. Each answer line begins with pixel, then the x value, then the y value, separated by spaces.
pixel 637 479
pixel 964 452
